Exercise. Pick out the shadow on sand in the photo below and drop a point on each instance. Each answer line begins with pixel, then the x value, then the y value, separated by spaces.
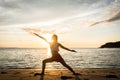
pixel 64 77
pixel 42 77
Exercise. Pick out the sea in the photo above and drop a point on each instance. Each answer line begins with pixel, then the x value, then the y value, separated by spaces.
pixel 31 58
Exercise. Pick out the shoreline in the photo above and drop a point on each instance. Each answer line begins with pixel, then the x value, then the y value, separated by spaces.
pixel 60 74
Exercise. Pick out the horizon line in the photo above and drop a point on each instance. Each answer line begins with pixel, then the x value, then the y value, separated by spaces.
pixel 47 48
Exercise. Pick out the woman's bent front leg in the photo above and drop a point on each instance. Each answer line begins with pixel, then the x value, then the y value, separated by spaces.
pixel 44 64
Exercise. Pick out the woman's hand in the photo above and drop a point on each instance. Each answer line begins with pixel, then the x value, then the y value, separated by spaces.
pixel 73 51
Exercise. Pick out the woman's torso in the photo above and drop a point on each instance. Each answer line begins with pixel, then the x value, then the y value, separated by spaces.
pixel 54 48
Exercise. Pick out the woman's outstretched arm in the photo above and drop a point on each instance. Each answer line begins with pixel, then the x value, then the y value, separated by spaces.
pixel 41 37
pixel 66 48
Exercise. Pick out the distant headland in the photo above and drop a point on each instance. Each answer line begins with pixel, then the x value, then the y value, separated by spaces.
pixel 111 45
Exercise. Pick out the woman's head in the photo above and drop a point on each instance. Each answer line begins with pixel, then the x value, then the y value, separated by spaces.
pixel 54 37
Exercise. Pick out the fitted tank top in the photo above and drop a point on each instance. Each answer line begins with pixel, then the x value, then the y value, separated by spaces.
pixel 54 47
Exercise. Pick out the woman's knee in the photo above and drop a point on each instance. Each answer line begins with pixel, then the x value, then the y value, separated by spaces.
pixel 44 61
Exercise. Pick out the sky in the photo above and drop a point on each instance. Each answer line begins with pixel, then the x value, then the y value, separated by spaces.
pixel 78 23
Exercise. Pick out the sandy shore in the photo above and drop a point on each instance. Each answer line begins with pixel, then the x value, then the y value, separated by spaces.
pixel 60 74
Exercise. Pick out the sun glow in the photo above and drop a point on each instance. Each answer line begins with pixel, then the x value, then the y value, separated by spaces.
pixel 48 37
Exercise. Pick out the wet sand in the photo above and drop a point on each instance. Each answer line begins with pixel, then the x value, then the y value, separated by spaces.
pixel 60 74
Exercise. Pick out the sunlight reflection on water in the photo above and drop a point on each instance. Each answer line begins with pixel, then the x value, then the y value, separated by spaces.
pixel 84 58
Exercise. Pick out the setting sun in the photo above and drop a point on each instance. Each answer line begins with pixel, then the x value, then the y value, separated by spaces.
pixel 48 37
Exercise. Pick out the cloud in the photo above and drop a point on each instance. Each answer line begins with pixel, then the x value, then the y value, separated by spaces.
pixel 8 4
pixel 114 18
pixel 68 14
pixel 112 10
pixel 58 26
pixel 39 30
pixel 97 23
pixel 30 11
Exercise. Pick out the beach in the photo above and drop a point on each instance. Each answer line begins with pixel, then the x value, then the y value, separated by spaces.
pixel 91 64
pixel 60 74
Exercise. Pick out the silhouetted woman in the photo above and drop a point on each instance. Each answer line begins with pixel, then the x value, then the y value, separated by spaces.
pixel 54 46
